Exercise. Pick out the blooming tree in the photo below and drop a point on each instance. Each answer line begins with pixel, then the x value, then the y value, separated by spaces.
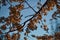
pixel 13 21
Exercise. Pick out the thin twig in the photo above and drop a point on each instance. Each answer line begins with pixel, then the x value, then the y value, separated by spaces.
pixel 29 6
pixel 9 3
pixel 29 15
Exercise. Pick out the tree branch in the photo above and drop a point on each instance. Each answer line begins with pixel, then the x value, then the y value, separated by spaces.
pixel 35 14
pixel 30 18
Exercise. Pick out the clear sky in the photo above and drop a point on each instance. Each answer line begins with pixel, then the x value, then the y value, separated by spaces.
pixel 39 32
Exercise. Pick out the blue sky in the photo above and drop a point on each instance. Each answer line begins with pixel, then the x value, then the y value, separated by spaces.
pixel 39 32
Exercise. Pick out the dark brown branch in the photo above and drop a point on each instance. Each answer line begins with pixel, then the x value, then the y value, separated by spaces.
pixel 30 18
pixel 35 14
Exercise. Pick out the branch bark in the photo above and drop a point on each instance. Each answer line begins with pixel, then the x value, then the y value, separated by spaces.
pixel 36 13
